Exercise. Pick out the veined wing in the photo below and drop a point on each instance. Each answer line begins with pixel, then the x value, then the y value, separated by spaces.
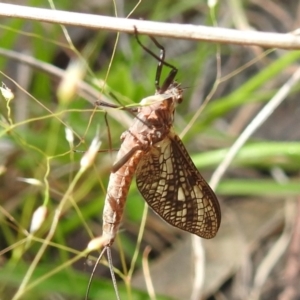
pixel 173 187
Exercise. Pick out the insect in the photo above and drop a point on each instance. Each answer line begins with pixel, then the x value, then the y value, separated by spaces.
pixel 165 174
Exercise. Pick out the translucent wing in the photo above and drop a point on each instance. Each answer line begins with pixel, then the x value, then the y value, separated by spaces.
pixel 173 187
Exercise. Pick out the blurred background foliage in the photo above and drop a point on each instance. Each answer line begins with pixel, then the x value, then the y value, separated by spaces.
pixel 33 143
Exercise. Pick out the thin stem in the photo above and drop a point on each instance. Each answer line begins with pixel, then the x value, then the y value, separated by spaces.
pixel 179 31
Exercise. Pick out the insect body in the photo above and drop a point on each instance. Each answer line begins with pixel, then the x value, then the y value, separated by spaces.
pixel 165 174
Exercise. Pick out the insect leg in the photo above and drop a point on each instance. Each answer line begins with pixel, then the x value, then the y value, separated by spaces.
pixel 161 62
pixel 118 164
pixel 171 76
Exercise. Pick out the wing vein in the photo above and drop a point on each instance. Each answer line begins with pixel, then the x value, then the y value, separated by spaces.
pixel 173 187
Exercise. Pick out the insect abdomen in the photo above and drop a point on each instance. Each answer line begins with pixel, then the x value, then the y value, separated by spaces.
pixel 117 190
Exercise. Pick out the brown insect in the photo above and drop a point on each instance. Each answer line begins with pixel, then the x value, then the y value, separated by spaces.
pixel 165 174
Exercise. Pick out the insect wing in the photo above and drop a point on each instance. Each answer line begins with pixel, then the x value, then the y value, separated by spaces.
pixel 173 187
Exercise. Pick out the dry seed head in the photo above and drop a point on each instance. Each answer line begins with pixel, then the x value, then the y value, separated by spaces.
pixel 89 156
pixel 69 135
pixel 6 92
pixel 151 99
pixel 96 243
pixel 68 86
pixel 212 3
pixel 2 169
pixel 31 181
pixel 38 218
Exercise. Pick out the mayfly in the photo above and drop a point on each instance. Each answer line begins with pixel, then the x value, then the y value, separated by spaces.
pixel 165 174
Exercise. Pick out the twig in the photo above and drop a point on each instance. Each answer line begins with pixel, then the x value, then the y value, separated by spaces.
pixel 260 118
pixel 199 267
pixel 275 253
pixel 291 273
pixel 147 276
pixel 84 89
pixel 179 31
